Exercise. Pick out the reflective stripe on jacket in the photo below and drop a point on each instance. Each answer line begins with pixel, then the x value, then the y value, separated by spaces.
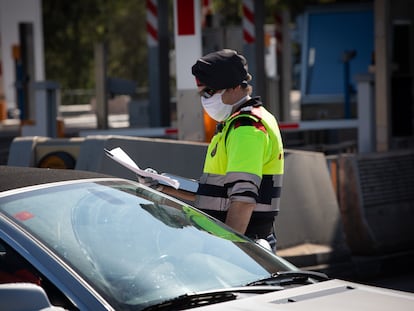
pixel 244 162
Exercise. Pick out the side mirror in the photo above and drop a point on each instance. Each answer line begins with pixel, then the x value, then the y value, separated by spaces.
pixel 24 296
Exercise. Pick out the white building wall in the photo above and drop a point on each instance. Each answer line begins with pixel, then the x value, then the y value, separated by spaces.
pixel 13 12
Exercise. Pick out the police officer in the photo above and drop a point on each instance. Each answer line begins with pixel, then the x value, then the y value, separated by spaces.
pixel 243 169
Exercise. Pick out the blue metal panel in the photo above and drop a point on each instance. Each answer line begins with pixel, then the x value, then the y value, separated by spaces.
pixel 328 34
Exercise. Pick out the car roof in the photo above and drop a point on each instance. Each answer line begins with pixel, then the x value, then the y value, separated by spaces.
pixel 13 177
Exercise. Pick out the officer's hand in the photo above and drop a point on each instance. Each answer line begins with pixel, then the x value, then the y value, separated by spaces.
pixel 149 181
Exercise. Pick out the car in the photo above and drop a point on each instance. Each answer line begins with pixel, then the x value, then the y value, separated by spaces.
pixel 73 240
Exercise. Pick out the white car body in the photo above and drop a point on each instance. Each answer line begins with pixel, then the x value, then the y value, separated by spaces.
pixel 330 295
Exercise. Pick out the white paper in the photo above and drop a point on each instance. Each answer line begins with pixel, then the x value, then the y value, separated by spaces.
pixel 121 157
pixel 187 184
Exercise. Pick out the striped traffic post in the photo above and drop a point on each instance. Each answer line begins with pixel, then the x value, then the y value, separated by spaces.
pixel 253 42
pixel 248 22
pixel 152 23
pixel 249 38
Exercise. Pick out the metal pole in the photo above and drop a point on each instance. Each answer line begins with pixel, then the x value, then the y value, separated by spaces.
pixel 153 63
pixel 28 70
pixel 259 48
pixel 346 58
pixel 382 74
pixel 100 86
pixel 347 104
pixel 164 62
pixel 286 68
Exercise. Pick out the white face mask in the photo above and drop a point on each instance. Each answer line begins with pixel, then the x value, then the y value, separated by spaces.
pixel 215 107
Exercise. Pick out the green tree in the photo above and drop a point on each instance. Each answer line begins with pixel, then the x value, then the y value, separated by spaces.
pixel 71 29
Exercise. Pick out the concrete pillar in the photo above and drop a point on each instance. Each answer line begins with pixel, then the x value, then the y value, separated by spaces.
pixel 46 110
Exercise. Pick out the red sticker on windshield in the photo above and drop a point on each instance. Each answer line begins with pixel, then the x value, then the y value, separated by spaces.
pixel 23 216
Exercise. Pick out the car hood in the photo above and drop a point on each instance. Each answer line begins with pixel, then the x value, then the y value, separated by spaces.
pixel 329 295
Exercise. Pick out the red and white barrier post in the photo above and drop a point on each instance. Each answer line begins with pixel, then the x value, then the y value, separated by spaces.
pixel 248 22
pixel 187 34
pixel 253 38
pixel 152 23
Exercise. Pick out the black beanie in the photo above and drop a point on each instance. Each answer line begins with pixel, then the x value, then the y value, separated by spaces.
pixel 221 70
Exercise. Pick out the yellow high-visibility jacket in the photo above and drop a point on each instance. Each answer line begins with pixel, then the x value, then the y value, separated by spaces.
pixel 244 162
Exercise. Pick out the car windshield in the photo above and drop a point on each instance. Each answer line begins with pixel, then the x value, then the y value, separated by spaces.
pixel 137 247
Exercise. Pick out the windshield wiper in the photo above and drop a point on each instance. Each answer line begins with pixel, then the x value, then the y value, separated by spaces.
pixel 198 299
pixel 290 277
pixel 269 284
